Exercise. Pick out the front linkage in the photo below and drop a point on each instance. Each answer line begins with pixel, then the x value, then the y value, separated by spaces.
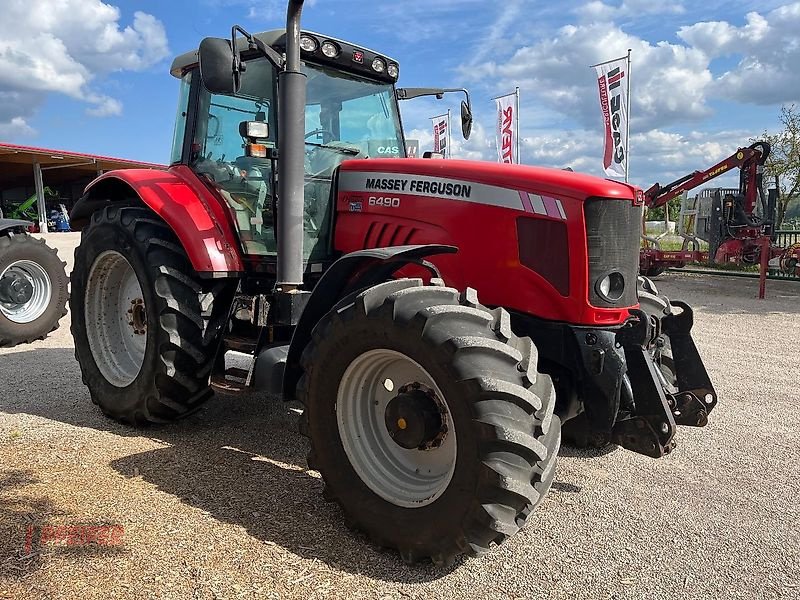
pixel 659 405
pixel 631 385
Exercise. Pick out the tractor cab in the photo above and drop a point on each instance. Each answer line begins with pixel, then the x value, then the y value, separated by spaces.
pixel 230 137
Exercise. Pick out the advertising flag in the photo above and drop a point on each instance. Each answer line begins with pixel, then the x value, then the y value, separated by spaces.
pixel 507 129
pixel 441 127
pixel 612 79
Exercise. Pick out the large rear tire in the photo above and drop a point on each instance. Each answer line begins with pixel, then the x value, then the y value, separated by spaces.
pixel 33 289
pixel 146 326
pixel 428 420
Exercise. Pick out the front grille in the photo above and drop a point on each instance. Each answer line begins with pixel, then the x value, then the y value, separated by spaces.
pixel 613 240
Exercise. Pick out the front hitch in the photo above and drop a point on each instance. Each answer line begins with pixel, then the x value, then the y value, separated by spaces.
pixel 696 396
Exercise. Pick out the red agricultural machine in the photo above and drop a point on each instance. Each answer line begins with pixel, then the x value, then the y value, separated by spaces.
pixel 33 285
pixel 353 283
pixel 736 224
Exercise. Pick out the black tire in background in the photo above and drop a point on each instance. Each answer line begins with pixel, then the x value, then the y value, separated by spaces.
pixel 185 317
pixel 501 410
pixel 22 247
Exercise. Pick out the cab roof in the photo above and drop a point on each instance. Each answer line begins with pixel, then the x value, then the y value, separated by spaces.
pixel 275 38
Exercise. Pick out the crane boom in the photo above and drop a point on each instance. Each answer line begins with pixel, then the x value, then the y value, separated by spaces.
pixel 750 160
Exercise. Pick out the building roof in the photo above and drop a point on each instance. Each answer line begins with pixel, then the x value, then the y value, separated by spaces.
pixel 58 166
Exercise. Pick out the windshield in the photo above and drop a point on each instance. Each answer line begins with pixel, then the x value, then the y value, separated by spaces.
pixel 354 114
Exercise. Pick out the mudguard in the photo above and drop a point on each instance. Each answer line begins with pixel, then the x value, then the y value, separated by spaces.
pixel 176 195
pixel 352 272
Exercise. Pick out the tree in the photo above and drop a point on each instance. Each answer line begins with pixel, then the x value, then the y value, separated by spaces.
pixel 784 160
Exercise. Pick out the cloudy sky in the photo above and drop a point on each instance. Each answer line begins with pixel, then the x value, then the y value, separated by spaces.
pixel 93 76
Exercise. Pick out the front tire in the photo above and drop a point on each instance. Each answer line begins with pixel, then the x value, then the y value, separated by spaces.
pixel 34 290
pixel 146 326
pixel 428 420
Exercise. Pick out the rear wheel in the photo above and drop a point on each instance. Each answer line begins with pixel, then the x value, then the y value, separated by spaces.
pixel 33 289
pixel 146 326
pixel 428 420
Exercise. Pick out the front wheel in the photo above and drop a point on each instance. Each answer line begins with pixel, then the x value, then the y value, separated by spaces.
pixel 146 326
pixel 428 419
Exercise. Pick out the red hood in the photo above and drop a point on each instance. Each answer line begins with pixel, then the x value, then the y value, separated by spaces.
pixel 520 177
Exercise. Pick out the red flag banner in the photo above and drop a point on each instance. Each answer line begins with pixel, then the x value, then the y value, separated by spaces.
pixel 614 105
pixel 506 133
pixel 440 127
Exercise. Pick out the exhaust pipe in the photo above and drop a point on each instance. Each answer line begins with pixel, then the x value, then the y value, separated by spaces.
pixel 291 157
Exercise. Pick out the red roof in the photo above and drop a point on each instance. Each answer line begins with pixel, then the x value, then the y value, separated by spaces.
pixel 6 149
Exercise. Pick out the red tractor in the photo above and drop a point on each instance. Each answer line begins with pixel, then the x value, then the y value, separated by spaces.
pixel 435 418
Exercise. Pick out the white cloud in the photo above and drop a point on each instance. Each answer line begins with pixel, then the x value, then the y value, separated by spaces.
pixel 656 155
pixel 16 127
pixel 670 79
pixel 597 10
pixel 62 46
pixel 674 82
pixel 768 50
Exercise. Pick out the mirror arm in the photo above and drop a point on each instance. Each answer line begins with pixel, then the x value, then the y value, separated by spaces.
pixel 410 93
pixel 253 43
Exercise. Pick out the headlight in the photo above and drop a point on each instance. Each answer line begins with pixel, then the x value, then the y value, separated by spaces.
pixel 378 65
pixel 308 44
pixel 611 287
pixel 330 49
pixel 393 70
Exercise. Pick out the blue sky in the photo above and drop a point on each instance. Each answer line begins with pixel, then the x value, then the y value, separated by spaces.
pixel 91 76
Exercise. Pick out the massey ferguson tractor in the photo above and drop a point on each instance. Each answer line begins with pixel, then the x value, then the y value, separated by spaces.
pixel 438 319
pixel 33 285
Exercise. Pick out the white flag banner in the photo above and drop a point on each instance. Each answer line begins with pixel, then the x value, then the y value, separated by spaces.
pixel 611 79
pixel 506 134
pixel 441 125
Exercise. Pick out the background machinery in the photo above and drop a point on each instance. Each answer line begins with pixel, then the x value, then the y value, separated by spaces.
pixel 33 285
pixel 438 319
pixel 735 223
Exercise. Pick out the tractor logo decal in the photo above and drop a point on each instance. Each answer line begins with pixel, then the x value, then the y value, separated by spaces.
pixel 353 182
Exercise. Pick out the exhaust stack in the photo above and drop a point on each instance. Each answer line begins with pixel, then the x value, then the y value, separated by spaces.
pixel 291 172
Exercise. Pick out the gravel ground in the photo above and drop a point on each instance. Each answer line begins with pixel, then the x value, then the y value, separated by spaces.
pixel 222 506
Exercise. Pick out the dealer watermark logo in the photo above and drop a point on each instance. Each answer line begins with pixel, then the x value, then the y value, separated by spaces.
pixel 77 535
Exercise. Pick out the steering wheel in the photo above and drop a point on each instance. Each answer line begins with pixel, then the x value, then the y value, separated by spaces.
pixel 317 132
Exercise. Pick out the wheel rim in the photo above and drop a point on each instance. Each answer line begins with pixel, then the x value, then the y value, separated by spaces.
pixel 409 478
pixel 42 291
pixel 116 318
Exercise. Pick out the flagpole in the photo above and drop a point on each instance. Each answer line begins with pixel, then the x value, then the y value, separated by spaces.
pixel 628 123
pixel 449 139
pixel 516 136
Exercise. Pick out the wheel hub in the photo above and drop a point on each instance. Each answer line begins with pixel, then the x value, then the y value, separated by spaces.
pixel 414 418
pixel 15 288
pixel 138 317
pixel 25 291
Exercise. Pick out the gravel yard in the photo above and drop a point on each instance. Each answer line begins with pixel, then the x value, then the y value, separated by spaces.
pixel 222 506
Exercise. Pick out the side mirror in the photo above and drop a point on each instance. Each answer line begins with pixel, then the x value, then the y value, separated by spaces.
pixel 216 66
pixel 466 120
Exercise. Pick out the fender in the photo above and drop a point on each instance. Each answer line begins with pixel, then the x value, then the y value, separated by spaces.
pixel 350 273
pixel 7 224
pixel 176 195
